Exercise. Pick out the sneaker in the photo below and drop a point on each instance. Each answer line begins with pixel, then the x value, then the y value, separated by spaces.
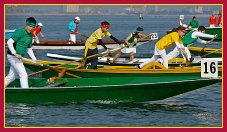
pixel 138 67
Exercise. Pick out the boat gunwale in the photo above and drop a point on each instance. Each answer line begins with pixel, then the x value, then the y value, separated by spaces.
pixel 139 71
pixel 206 50
pixel 104 86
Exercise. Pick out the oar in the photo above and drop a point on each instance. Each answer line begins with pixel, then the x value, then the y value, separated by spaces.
pixel 116 49
pixel 212 52
pixel 33 62
pixel 111 51
pixel 76 60
pixel 154 36
pixel 202 51
pixel 49 67
pixel 83 35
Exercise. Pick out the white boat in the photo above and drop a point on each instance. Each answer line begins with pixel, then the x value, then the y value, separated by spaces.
pixel 136 61
pixel 44 44
pixel 9 33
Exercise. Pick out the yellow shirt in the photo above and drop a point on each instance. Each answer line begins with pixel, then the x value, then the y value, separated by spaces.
pixel 168 40
pixel 92 41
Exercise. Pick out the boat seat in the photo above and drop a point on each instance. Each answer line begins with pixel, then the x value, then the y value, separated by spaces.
pixel 154 65
pixel 177 61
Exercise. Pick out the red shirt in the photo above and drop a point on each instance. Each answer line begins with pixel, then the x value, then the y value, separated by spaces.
pixel 219 19
pixel 35 31
pixel 212 19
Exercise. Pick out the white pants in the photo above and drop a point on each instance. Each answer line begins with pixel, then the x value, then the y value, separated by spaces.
pixel 157 53
pixel 212 25
pixel 128 50
pixel 72 37
pixel 17 69
pixel 176 51
pixel 35 40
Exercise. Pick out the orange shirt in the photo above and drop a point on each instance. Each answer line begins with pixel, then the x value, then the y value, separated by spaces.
pixel 220 20
pixel 212 19
pixel 35 31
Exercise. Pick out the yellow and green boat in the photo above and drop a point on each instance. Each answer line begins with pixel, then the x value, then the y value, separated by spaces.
pixel 152 70
pixel 112 83
pixel 205 52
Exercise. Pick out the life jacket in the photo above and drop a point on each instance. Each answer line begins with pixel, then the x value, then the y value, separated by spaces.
pixel 212 20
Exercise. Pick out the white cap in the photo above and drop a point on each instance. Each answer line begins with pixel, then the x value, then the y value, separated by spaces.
pixel 77 18
pixel 181 17
pixel 40 24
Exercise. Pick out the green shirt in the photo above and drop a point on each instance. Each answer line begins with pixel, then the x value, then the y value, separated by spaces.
pixel 194 24
pixel 22 41
pixel 133 38
pixel 187 39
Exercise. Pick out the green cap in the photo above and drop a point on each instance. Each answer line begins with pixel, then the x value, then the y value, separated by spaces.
pixel 31 24
pixel 139 29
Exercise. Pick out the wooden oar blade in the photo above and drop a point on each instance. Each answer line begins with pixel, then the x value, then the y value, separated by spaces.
pixel 59 83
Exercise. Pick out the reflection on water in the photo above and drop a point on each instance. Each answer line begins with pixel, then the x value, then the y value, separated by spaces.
pixel 104 113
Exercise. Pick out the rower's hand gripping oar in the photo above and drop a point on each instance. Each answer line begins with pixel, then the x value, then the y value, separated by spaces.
pixel 153 36
pixel 208 42
pixel 188 62
pixel 114 50
pixel 33 62
pixel 76 60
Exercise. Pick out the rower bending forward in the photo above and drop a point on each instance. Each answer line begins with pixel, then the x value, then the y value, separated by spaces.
pixel 165 42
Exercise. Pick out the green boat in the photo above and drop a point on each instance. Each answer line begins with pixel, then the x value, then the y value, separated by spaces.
pixel 205 52
pixel 154 69
pixel 212 31
pixel 120 89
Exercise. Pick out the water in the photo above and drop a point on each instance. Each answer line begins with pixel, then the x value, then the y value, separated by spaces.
pixel 202 107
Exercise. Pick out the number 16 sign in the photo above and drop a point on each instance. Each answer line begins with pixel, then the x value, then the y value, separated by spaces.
pixel 209 68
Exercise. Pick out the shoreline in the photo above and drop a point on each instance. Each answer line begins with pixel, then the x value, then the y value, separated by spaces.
pixel 66 14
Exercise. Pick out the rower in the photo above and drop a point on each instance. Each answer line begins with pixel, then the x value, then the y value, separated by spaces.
pixel 93 40
pixel 132 48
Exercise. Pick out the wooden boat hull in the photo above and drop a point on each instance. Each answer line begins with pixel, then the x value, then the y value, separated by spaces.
pixel 9 33
pixel 77 46
pixel 208 52
pixel 63 44
pixel 121 89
